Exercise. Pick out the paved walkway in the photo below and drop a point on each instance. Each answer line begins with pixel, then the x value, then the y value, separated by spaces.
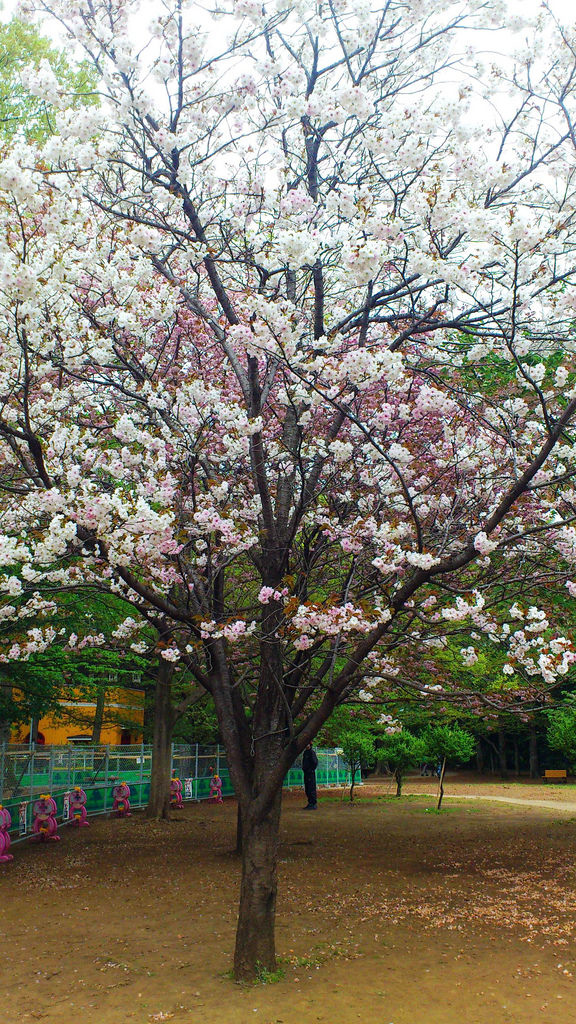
pixel 552 805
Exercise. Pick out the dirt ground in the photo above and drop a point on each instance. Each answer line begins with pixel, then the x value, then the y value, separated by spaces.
pixel 388 914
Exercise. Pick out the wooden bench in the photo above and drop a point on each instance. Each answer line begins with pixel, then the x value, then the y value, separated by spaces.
pixel 555 775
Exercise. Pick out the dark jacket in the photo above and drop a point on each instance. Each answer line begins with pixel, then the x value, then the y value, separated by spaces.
pixel 309 761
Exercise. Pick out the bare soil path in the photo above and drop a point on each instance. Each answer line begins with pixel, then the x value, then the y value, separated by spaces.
pixel 389 913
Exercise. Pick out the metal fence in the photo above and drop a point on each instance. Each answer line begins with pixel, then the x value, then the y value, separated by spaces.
pixel 26 772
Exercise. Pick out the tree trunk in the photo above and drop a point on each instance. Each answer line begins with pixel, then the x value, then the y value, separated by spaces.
pixel 98 716
pixel 238 849
pixel 352 783
pixel 441 784
pixel 255 753
pixel 255 947
pixel 159 800
pixel 480 762
pixel 399 780
pixel 502 763
pixel 533 752
pixel 5 704
pixel 516 757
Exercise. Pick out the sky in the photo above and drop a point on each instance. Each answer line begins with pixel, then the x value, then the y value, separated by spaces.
pixel 484 43
pixel 565 9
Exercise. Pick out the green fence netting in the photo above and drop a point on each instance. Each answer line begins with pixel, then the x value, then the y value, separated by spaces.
pixel 26 772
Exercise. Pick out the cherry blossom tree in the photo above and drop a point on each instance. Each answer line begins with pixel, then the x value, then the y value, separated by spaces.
pixel 288 359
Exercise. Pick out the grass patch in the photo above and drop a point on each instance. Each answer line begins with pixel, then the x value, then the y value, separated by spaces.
pixel 450 808
pixel 321 954
pixel 266 977
pixel 406 797
pixel 263 976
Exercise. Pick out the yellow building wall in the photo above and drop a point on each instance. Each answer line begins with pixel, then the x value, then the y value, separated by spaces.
pixel 123 714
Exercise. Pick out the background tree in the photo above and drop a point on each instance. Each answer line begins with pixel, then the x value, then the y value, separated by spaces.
pixel 442 743
pixel 81 660
pixel 354 737
pixel 401 751
pixel 173 697
pixel 199 724
pixel 561 733
pixel 29 112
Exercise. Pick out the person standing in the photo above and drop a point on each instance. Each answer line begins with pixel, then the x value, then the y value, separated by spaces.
pixel 309 766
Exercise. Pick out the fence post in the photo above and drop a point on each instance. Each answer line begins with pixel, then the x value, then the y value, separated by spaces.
pixel 2 767
pixel 196 775
pixel 32 752
pixel 141 771
pixel 106 773
pixel 217 759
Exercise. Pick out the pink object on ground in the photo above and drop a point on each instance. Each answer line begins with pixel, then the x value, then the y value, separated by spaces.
pixel 216 790
pixel 78 811
pixel 176 800
pixel 121 805
pixel 45 825
pixel 5 822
